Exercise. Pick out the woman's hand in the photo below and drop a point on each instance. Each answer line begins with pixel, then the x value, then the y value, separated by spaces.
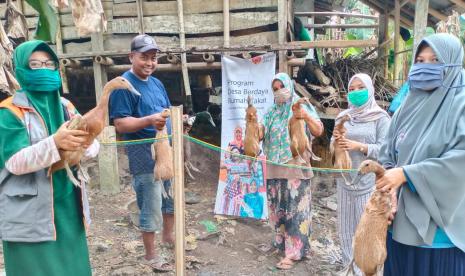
pixel 69 139
pixel 337 135
pixel 391 180
pixel 393 194
pixel 350 145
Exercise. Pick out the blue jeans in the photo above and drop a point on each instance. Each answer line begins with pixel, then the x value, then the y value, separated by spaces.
pixel 151 202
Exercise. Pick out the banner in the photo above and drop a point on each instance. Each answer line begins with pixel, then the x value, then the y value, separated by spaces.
pixel 241 186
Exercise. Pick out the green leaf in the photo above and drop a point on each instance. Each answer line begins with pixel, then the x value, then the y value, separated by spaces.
pixel 352 51
pixel 48 21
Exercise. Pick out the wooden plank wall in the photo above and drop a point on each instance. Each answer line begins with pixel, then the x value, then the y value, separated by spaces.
pixel 251 22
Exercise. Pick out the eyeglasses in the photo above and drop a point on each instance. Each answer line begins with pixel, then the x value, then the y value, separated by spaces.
pixel 37 64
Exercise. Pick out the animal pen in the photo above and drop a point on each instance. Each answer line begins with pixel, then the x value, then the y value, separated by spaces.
pixel 193 34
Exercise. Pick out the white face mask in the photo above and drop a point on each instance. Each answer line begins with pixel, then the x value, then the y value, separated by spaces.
pixel 282 95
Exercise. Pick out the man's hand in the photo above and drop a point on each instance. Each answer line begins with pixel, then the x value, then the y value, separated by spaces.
pixel 157 121
pixel 68 139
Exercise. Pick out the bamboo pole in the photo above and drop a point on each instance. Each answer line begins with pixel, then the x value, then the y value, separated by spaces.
pixel 104 60
pixel 178 165
pixel 68 62
pixel 173 59
pixel 207 57
pixel 182 36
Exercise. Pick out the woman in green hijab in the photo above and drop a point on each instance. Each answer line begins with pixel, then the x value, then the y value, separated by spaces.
pixel 41 218
pixel 288 189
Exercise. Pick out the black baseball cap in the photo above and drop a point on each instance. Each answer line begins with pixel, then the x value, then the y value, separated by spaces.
pixel 143 43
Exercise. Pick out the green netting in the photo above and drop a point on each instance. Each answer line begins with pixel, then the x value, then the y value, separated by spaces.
pixel 189 139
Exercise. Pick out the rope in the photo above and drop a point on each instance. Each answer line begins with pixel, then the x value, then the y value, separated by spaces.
pixel 219 149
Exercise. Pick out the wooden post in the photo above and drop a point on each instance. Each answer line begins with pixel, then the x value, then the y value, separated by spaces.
pixel 421 20
pixel 282 29
pixel 182 36
pixel 299 7
pixel 108 162
pixel 383 35
pixel 140 16
pixel 396 40
pixel 108 157
pixel 226 23
pixel 61 67
pixel 178 160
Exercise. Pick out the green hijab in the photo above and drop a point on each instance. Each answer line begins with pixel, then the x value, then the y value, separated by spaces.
pixel 277 140
pixel 13 133
pixel 41 85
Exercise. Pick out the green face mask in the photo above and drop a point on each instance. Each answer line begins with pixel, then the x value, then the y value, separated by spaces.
pixel 43 80
pixel 358 97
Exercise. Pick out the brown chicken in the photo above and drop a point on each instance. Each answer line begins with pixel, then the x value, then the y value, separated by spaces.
pixel 300 143
pixel 252 130
pixel 369 243
pixel 162 153
pixel 93 122
pixel 341 158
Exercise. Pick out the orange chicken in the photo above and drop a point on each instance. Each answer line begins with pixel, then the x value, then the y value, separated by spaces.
pixel 93 122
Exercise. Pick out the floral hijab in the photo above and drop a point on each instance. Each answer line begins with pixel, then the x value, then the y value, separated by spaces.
pixel 276 142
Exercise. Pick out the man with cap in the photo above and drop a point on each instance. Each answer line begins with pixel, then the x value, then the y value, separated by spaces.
pixel 138 117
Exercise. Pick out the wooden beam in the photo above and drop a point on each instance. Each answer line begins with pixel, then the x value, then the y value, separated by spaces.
pixel 421 21
pixel 216 48
pixel 179 204
pixel 396 39
pixel 169 67
pixel 333 43
pixel 196 23
pixel 190 7
pixel 435 13
pixel 405 22
pixel 459 3
pixel 120 43
pixel 341 14
pixel 342 26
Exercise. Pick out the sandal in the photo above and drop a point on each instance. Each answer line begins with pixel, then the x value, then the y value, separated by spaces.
pixel 285 264
pixel 159 264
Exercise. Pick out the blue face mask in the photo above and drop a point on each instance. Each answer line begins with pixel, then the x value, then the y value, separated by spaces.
pixel 428 76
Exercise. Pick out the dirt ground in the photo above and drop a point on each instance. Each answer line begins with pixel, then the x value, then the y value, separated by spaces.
pixel 233 249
